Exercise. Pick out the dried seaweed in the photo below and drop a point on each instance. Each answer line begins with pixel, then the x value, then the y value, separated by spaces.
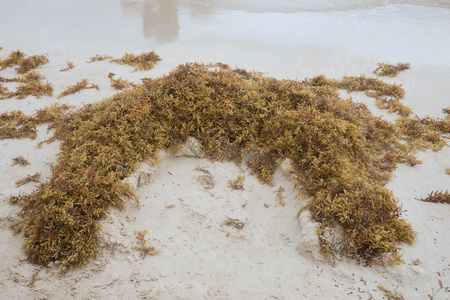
pixel 31 85
pixel 141 62
pixel 69 67
pixel 98 57
pixel 29 178
pixel 35 88
pixel 20 160
pixel 5 93
pixel 393 105
pixel 234 222
pixel 28 77
pixel 81 85
pixel 14 58
pixel 438 197
pixel 390 295
pixel 279 196
pixel 446 110
pixel 238 183
pixel 385 69
pixel 17 125
pixel 120 84
pixel 340 153
pixel 31 62
pixel 143 247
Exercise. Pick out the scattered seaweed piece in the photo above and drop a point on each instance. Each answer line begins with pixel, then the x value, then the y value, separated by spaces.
pixel 31 62
pixel 69 67
pixel 143 247
pixel 25 63
pixel 98 57
pixel 20 160
pixel 238 183
pixel 390 295
pixel 234 222
pixel 279 196
pixel 16 124
pixel 15 57
pixel 438 197
pixel 34 277
pixel 81 85
pixel 28 77
pixel 447 171
pixel 202 169
pixel 385 69
pixel 141 62
pixel 120 84
pixel 5 93
pixel 411 160
pixel 393 105
pixel 340 154
pixel 35 88
pixel 421 133
pixel 446 110
pixel 31 85
pixel 29 178
pixel 441 125
pixel 379 88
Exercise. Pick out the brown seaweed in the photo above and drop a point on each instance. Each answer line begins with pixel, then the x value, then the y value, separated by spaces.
pixel 340 153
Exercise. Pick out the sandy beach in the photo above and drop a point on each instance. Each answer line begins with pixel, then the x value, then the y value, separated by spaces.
pixel 186 199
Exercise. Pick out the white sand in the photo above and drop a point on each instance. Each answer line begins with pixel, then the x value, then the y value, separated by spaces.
pixel 276 254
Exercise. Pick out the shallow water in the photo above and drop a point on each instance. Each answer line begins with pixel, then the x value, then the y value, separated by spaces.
pixel 387 29
pixel 286 39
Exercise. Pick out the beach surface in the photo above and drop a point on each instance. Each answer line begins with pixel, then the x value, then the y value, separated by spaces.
pixel 276 253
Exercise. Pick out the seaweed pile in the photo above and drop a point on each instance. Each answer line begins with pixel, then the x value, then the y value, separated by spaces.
pixel 341 155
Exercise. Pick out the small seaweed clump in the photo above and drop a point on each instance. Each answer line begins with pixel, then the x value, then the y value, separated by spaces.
pixel 35 88
pixel 99 57
pixel 393 105
pixel 120 84
pixel 143 247
pixel 16 124
pixel 390 295
pixel 390 70
pixel 20 160
pixel 446 110
pixel 238 183
pixel 25 63
pixel 438 197
pixel 141 62
pixel 31 84
pixel 5 93
pixel 340 153
pixel 69 67
pixel 29 178
pixel 81 85
pixel 14 58
pixel 30 63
